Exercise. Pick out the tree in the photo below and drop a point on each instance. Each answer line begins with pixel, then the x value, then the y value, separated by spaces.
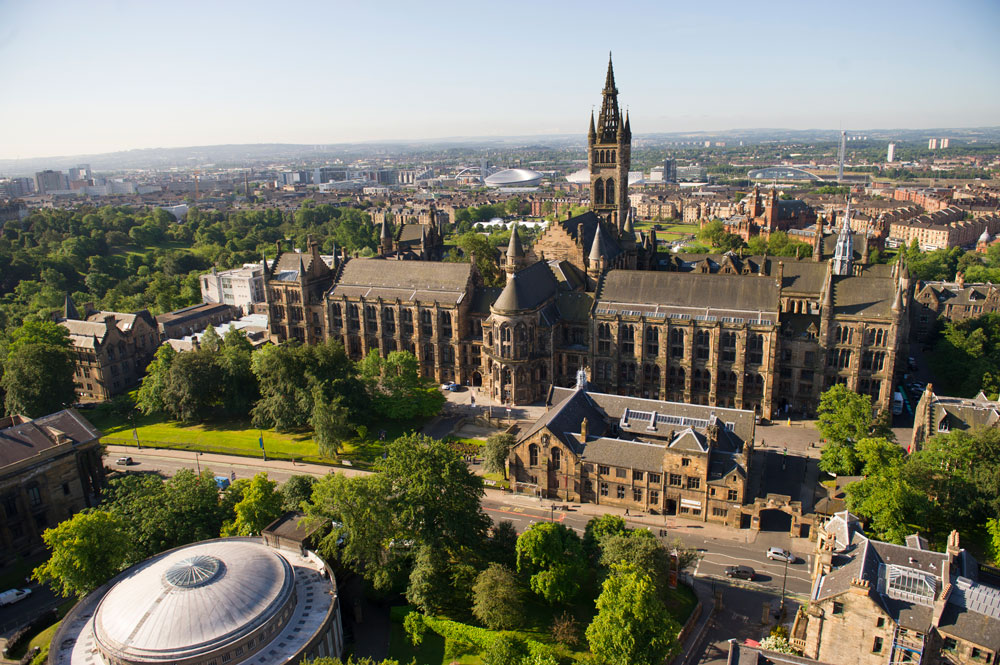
pixel 239 389
pixel 295 491
pixel 478 247
pixel 504 649
pixel 503 544
pixel 993 544
pixel 566 630
pixel 330 422
pixel 397 390
pixel 192 386
pixel 551 555
pixel 261 505
pixel 423 494
pixel 496 599
pixel 154 385
pixel 38 380
pixel 427 590
pixel 285 398
pixel 890 504
pixel 844 419
pixel 638 549
pixel 87 550
pixel 496 451
pixel 966 356
pixel 599 528
pixel 632 626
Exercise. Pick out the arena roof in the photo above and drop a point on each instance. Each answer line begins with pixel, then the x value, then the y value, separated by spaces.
pixel 514 178
pixel 781 173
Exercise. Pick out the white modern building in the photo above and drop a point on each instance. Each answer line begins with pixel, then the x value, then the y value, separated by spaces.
pixel 231 601
pixel 240 287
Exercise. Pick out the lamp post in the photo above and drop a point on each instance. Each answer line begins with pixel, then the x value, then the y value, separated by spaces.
pixel 784 579
pixel 197 460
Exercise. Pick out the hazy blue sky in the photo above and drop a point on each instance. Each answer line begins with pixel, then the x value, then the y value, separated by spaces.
pixel 96 76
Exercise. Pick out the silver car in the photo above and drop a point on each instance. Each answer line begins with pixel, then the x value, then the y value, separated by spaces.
pixel 779 554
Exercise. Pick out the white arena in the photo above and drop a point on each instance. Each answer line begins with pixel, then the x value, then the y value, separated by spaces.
pixel 218 602
pixel 514 178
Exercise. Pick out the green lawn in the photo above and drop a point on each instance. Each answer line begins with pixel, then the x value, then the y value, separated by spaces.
pixel 239 437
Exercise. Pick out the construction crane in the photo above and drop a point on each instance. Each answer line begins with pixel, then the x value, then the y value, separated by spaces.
pixel 840 159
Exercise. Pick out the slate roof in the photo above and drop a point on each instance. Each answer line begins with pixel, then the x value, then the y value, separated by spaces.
pixel 575 306
pixel 618 452
pixel 84 334
pixel 964 413
pixel 973 613
pixel 863 296
pixel 288 262
pixel 408 281
pixel 527 289
pixel 567 409
pixel 483 297
pixel 192 312
pixel 20 440
pixel 664 293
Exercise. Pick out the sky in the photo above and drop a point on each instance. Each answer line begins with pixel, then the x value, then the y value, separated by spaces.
pixel 99 76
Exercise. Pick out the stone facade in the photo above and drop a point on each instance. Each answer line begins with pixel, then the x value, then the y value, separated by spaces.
pixel 875 602
pixel 50 468
pixel 951 301
pixel 644 455
pixel 110 350
pixel 295 286
pixel 940 414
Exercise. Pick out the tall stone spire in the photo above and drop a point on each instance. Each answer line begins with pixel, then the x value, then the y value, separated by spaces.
pixel 514 258
pixel 610 116
pixel 844 255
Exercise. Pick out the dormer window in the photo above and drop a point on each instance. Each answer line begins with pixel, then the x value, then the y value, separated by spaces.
pixel 943 426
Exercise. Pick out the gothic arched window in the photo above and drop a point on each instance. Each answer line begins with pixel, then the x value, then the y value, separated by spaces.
pixel 598 191
pixel 533 455
pixel 609 190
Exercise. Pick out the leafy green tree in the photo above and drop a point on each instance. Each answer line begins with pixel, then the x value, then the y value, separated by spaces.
pixel 877 454
pixel 551 556
pixel 504 649
pixel 295 491
pixel 261 505
pixel 423 494
pixel 38 332
pixel 192 386
pixel 966 357
pixel 239 389
pixel 427 589
pixel 891 505
pixel 599 528
pixel 845 418
pixel 993 544
pixel 496 451
pixel 330 422
pixel 638 549
pixel 87 550
pixel 285 399
pixel 477 247
pixel 497 599
pixel 503 544
pixel 150 398
pixel 38 380
pixel 632 626
pixel 398 392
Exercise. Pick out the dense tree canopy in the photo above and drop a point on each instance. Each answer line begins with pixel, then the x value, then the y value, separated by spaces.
pixel 37 376
pixel 966 357
pixel 87 550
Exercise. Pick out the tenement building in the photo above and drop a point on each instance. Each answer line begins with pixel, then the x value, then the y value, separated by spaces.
pixel 940 414
pixel 50 468
pixel 647 455
pixel 951 301
pixel 874 603
pixel 229 600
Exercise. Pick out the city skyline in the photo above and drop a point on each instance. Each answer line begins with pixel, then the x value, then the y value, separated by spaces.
pixel 183 75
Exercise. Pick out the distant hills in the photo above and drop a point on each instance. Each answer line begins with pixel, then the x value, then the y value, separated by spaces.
pixel 248 155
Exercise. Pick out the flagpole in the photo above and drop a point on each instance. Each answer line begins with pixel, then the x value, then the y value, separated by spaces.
pixel 261 440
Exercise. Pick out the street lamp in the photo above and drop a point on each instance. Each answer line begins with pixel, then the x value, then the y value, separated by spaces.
pixel 784 579
pixel 197 459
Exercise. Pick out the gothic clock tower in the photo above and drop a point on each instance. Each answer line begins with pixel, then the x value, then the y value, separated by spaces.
pixel 609 157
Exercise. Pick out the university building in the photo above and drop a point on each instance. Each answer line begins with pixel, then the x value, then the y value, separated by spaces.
pixel 759 333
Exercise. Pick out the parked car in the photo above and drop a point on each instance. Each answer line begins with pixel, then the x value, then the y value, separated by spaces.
pixel 741 572
pixel 779 554
pixel 124 461
pixel 452 387
pixel 12 596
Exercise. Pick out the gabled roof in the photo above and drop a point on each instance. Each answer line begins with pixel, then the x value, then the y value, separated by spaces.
pixel 583 227
pixel 689 439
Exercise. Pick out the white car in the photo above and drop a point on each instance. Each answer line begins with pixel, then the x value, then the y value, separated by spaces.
pixel 11 596
pixel 778 554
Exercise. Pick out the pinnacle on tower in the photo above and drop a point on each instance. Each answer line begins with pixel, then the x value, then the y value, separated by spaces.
pixel 597 248
pixel 514 248
pixel 386 232
pixel 69 309
pixel 609 81
pixel 592 132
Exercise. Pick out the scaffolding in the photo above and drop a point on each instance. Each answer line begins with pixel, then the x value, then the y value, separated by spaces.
pixel 907 647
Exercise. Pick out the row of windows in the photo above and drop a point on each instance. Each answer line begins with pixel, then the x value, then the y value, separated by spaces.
pixel 676 339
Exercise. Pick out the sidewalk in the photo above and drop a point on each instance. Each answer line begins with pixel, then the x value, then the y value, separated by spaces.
pixel 228 461
pixel 673 523
pixel 690 652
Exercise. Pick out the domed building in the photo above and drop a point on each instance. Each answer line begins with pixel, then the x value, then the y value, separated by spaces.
pixel 218 602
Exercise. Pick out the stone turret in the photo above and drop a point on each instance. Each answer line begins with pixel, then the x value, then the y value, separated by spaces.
pixel 514 259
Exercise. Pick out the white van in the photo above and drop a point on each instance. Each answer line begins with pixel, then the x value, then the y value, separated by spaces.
pixel 11 596
pixel 897 403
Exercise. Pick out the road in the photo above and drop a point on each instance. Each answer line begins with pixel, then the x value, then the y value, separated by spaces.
pixel 716 553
